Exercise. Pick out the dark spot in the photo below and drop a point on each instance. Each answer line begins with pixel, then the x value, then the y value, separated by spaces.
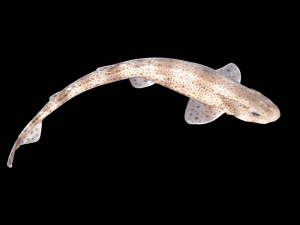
pixel 205 70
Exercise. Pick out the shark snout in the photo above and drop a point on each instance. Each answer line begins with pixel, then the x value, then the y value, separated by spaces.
pixel 275 113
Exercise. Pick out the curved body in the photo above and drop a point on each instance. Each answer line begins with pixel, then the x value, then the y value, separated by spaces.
pixel 198 82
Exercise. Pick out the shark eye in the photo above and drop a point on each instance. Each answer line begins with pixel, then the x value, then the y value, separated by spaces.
pixel 255 114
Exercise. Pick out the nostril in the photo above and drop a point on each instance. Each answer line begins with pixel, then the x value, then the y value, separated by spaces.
pixel 255 114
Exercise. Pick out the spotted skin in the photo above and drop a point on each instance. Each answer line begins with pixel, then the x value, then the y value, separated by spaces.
pixel 201 113
pixel 190 79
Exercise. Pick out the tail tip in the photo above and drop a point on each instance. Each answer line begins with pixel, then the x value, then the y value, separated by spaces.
pixel 9 163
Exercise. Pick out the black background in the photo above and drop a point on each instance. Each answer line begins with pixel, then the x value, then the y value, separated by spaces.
pixel 118 139
pixel 117 126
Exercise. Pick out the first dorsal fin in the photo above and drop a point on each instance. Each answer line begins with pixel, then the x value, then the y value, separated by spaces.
pixel 201 113
pixel 140 82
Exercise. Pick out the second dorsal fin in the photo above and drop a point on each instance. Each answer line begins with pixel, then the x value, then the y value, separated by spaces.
pixel 53 96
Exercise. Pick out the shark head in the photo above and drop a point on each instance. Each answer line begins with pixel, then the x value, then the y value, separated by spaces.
pixel 256 108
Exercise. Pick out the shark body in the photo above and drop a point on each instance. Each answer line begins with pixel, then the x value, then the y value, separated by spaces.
pixel 211 92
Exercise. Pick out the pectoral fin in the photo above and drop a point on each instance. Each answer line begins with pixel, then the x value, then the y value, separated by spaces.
pixel 230 71
pixel 139 82
pixel 201 113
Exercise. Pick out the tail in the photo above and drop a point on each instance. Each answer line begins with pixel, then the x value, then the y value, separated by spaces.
pixel 26 137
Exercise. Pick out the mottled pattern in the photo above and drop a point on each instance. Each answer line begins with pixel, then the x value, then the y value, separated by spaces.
pixel 190 79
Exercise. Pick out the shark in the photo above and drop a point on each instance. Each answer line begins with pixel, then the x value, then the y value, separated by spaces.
pixel 211 92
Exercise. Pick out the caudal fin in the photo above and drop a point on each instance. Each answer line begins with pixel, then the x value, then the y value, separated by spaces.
pixel 31 136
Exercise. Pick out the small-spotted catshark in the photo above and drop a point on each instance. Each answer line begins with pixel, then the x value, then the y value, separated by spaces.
pixel 211 92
